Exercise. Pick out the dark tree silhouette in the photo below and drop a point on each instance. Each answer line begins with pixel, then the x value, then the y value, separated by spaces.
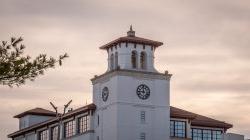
pixel 16 68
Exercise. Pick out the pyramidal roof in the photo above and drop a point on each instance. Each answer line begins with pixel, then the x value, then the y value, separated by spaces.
pixel 131 38
pixel 36 111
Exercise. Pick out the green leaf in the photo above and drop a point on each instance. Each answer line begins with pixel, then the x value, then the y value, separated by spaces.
pixel 16 69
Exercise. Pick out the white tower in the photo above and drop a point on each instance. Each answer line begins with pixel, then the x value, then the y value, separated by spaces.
pixel 132 98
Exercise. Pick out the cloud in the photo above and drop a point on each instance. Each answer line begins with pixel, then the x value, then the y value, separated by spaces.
pixel 217 84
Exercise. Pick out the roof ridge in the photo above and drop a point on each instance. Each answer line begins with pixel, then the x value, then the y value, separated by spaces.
pixel 36 111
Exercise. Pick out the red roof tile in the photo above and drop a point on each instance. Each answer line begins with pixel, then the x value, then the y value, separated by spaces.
pixel 132 39
pixel 36 111
pixel 209 122
pixel 179 113
pixel 198 120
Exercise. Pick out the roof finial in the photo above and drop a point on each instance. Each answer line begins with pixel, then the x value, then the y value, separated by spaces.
pixel 131 33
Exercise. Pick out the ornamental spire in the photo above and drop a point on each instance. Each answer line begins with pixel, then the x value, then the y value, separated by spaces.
pixel 131 33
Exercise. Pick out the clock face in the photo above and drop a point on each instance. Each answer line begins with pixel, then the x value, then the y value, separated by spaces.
pixel 143 92
pixel 105 94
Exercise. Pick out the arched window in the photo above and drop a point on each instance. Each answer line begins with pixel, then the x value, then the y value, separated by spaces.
pixel 134 59
pixel 143 60
pixel 112 62
pixel 116 59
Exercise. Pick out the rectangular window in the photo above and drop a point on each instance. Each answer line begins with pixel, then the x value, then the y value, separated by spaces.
pixel 172 128
pixel 143 116
pixel 44 135
pixel 178 129
pixel 206 134
pixel 142 136
pixel 217 135
pixel 83 124
pixel 70 128
pixel 196 134
pixel 55 133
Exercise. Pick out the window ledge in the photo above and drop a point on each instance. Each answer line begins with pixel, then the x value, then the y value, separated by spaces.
pixel 78 134
pixel 179 138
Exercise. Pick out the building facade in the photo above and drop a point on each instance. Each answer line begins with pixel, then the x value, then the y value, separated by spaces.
pixel 130 102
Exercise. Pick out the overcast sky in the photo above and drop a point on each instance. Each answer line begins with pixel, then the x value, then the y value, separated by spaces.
pixel 206 48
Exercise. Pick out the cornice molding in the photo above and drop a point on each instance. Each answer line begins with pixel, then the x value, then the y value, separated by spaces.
pixel 132 73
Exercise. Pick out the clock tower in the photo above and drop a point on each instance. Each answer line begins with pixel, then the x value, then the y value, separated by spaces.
pixel 132 97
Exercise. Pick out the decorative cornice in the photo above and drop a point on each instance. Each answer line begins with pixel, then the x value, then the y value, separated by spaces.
pixel 131 104
pixel 132 73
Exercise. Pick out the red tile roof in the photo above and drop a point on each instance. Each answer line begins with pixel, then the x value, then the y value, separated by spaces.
pixel 132 39
pixel 198 120
pixel 37 111
pixel 209 122
pixel 179 113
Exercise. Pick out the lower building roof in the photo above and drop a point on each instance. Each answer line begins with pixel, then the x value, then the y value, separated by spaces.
pixel 53 120
pixel 36 111
pixel 196 119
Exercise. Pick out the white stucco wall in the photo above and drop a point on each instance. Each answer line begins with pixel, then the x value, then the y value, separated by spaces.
pixel 23 122
pixel 232 136
pixel 124 56
pixel 29 120
pixel 34 119
pixel 120 114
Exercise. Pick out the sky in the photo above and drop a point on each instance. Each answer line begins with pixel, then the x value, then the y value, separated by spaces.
pixel 206 48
